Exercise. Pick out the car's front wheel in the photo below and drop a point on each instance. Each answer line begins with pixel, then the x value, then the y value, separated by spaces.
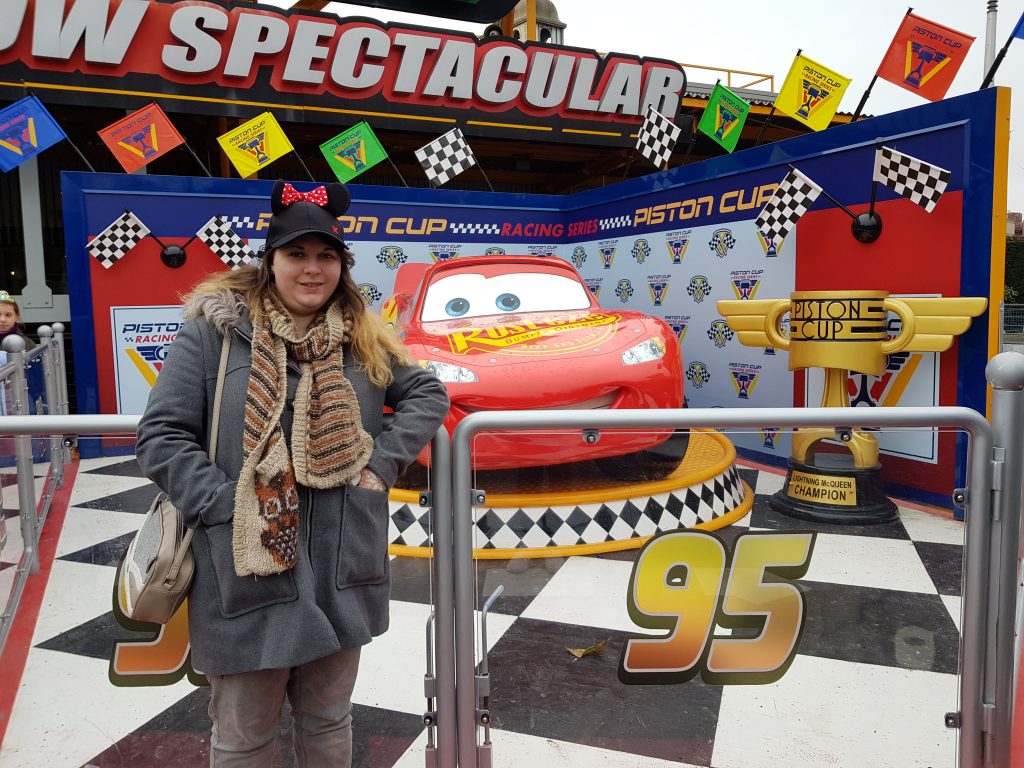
pixel 648 465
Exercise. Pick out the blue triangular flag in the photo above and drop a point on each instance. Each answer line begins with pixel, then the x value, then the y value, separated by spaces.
pixel 26 129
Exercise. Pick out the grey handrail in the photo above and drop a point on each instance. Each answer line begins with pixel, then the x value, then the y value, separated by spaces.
pixel 978 644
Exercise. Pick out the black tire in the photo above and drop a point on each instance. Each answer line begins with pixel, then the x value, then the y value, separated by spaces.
pixel 655 463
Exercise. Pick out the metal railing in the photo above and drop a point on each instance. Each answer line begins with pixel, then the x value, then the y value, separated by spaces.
pixel 1011 324
pixel 18 403
pixel 992 502
pixel 993 518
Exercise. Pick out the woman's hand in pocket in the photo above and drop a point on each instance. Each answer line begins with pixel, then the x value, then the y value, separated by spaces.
pixel 371 480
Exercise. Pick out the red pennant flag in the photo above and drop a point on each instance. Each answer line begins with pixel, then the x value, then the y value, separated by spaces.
pixel 924 57
pixel 141 137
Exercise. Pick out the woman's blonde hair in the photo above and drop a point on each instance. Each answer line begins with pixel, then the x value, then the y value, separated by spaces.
pixel 374 343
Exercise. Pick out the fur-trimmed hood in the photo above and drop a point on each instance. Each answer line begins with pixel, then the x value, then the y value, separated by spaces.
pixel 223 310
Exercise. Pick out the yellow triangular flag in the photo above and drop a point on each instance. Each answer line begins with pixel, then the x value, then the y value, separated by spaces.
pixel 811 93
pixel 255 144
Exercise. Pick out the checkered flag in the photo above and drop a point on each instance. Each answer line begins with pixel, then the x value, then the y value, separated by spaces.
pixel 223 241
pixel 915 180
pixel 657 137
pixel 446 157
pixel 791 200
pixel 115 241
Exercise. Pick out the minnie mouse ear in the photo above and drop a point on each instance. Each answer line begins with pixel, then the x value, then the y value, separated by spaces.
pixel 338 199
pixel 275 197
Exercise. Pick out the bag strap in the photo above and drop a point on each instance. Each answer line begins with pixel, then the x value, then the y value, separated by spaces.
pixel 186 540
pixel 221 372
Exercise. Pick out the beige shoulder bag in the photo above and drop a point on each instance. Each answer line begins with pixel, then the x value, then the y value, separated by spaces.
pixel 156 572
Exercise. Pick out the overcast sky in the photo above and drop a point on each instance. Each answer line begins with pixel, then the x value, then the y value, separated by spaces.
pixel 849 36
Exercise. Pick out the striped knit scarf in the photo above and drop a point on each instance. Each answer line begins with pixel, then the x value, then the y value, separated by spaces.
pixel 329 445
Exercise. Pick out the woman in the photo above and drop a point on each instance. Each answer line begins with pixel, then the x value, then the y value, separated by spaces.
pixel 291 522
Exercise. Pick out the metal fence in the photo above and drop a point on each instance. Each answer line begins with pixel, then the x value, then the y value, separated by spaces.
pixel 460 720
pixel 31 381
pixel 1011 323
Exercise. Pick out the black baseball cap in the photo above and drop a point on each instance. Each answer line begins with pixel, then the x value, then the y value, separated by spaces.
pixel 310 212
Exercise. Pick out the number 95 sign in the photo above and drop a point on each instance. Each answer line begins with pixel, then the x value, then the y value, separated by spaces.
pixel 689 584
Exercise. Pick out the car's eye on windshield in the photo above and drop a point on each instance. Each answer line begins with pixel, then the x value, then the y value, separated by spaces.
pixel 471 294
pixel 457 307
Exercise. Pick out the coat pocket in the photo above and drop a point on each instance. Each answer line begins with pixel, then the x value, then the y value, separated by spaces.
pixel 242 594
pixel 363 550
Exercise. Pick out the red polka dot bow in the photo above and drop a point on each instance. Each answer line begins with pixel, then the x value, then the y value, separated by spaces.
pixel 316 196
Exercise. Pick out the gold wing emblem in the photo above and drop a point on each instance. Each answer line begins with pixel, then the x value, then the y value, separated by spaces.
pixel 938 320
pixel 747 317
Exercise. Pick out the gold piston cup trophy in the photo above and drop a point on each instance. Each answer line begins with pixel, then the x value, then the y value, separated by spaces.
pixel 843 331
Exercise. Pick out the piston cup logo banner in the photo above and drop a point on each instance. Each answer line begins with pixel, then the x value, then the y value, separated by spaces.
pixel 443 251
pixel 677 242
pixel 606 249
pixel 745 282
pixel 141 338
pixel 542 250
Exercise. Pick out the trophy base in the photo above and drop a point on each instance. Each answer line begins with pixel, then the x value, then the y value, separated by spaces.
pixel 833 491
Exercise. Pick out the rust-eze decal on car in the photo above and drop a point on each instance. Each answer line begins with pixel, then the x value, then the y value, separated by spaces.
pixel 547 337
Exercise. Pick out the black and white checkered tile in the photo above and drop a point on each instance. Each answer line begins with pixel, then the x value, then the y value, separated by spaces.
pixel 916 180
pixel 458 228
pixel 123 234
pixel 446 157
pixel 577 524
pixel 657 137
pixel 615 222
pixel 221 239
pixel 874 673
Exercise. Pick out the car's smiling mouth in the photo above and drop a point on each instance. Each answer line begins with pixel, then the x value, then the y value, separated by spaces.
pixel 601 402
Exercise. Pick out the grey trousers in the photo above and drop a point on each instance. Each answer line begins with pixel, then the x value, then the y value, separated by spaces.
pixel 246 712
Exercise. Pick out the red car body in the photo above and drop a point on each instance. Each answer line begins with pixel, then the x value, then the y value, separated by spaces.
pixel 533 336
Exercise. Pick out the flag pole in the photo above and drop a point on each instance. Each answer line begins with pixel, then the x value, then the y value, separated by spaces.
pixel 768 120
pixel 303 164
pixel 629 164
pixel 196 158
pixel 764 126
pixel 867 93
pixel 846 210
pixel 482 173
pixel 689 148
pixel 997 61
pixel 66 137
pixel 404 182
pixel 863 100
pixel 80 155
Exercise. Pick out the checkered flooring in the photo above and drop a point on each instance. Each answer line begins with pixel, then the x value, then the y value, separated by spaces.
pixel 875 672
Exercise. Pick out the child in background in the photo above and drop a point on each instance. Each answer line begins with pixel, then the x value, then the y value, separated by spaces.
pixel 10 316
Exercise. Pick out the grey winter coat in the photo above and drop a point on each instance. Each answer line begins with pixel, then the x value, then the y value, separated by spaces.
pixel 336 597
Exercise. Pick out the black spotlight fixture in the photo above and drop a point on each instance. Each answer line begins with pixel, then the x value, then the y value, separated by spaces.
pixel 867 227
pixel 173 256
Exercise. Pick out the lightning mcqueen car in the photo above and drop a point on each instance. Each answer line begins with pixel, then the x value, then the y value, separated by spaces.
pixel 525 332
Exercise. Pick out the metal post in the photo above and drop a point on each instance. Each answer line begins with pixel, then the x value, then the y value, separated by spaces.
pixel 990 34
pixel 444 587
pixel 464 593
pixel 52 402
pixel 14 346
pixel 62 381
pixel 1005 372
